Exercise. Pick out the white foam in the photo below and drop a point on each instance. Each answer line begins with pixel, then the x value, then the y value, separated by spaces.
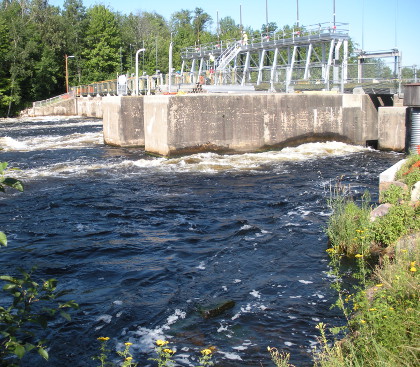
pixel 305 281
pixel 231 356
pixel 255 293
pixel 105 318
pixel 201 266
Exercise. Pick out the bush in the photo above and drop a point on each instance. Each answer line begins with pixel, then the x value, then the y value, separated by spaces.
pixel 400 220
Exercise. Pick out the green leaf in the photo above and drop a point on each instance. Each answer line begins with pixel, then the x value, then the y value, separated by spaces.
pixel 14 183
pixel 7 278
pixel 65 315
pixel 43 353
pixel 19 350
pixel 3 239
pixel 9 287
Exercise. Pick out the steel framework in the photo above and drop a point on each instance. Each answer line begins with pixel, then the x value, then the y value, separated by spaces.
pixel 316 54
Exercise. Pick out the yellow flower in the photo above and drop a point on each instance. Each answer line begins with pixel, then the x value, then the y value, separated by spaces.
pixel 379 285
pixel 363 321
pixel 161 343
pixel 413 269
pixel 103 338
pixel 128 344
pixel 391 308
pixel 206 352
pixel 169 351
pixel 413 263
pixel 358 255
pixel 372 309
pixel 129 358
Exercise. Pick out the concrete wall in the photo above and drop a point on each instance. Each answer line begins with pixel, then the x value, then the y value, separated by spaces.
pixel 63 108
pixel 123 121
pixel 392 128
pixel 83 106
pixel 251 122
pixel 89 106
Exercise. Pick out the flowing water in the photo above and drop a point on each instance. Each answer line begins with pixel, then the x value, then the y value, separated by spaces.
pixel 144 243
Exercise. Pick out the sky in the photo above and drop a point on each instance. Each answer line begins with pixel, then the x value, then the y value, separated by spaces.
pixel 374 24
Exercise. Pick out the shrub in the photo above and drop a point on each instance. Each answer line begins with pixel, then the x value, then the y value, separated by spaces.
pixel 400 220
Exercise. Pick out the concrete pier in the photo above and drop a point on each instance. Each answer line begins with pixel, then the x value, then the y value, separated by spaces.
pixel 170 125
pixel 253 122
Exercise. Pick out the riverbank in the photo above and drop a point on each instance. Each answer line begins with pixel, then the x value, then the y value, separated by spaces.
pixel 382 309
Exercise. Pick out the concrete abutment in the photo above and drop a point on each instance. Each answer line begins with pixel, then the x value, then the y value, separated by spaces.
pixel 170 125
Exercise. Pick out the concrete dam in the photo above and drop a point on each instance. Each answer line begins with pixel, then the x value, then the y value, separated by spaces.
pixel 171 125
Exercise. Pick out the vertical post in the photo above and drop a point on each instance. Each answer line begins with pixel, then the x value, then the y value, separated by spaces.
pixel 170 66
pixel 137 71
pixel 297 13
pixel 273 70
pixel 67 74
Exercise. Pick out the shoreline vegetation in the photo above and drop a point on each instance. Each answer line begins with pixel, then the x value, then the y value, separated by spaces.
pixel 379 296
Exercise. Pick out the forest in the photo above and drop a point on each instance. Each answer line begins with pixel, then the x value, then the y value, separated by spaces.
pixel 35 38
pixel 99 43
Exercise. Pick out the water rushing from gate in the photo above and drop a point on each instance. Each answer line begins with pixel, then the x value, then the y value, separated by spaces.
pixel 143 243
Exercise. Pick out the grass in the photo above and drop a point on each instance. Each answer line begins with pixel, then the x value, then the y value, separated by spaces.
pixel 382 309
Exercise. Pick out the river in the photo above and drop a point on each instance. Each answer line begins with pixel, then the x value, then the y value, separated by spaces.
pixel 143 243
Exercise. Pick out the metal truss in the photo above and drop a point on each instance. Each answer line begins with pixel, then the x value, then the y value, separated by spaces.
pixel 316 55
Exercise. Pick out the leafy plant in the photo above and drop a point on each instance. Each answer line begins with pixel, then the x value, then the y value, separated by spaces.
pixel 7 182
pixel 400 220
pixel 32 304
pixel 394 195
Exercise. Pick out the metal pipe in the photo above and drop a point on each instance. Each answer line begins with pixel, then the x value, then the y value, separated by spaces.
pixel 137 70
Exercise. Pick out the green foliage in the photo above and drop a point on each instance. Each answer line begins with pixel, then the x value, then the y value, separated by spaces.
pixel 383 329
pixel 33 305
pixel 26 305
pixel 348 226
pixel 280 359
pixel 409 173
pixel 394 195
pixel 401 219
pixel 103 41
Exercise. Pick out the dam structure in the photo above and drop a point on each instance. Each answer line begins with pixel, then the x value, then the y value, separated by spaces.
pixel 258 93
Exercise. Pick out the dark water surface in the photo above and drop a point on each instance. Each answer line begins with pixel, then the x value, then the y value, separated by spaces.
pixel 143 243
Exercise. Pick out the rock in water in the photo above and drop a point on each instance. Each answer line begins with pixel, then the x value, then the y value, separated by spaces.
pixel 216 309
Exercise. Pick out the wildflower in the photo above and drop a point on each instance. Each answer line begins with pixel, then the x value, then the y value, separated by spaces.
pixel 391 308
pixel 358 255
pixel 363 321
pixel 330 250
pixel 206 352
pixel 413 269
pixel 129 358
pixel 128 344
pixel 379 285
pixel 103 338
pixel 169 351
pixel 161 343
pixel 372 309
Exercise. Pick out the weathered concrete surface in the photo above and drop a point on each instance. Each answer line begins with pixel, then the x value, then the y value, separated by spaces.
pixel 412 95
pixel 66 107
pixel 392 128
pixel 251 122
pixel 89 106
pixel 81 106
pixel 123 120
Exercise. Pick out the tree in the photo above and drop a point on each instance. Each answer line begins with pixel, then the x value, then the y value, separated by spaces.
pixel 103 41
pixel 74 21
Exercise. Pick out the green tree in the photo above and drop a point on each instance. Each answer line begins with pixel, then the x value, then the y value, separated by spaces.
pixel 74 22
pixel 103 42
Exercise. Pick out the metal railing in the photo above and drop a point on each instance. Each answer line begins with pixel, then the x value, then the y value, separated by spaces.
pixel 50 101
